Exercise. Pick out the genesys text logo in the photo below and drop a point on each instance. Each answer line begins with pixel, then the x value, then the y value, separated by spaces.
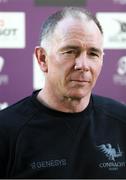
pixel 42 164
pixel 114 27
pixel 38 76
pixel 4 79
pixel 119 78
pixel 12 30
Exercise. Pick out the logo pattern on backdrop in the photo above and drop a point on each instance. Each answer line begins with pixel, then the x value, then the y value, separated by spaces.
pixel 4 79
pixel 12 35
pixel 116 37
pixel 119 77
pixel 122 2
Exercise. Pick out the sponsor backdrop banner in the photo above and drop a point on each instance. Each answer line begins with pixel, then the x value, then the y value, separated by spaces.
pixel 20 23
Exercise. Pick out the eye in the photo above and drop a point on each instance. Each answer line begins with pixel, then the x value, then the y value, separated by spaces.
pixel 94 54
pixel 71 53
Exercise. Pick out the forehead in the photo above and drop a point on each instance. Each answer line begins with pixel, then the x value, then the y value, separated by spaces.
pixel 78 30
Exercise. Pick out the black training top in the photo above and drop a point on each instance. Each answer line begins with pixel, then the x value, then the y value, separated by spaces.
pixel 38 142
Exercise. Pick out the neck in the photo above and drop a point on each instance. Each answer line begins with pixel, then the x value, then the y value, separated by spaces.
pixel 63 104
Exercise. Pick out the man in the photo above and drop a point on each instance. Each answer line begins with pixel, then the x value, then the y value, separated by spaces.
pixel 63 130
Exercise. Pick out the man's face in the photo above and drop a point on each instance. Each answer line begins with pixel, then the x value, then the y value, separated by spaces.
pixel 75 58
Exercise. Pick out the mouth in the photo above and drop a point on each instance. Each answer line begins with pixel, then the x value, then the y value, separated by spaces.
pixel 81 82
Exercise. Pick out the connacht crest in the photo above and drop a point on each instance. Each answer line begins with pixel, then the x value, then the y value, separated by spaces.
pixel 110 152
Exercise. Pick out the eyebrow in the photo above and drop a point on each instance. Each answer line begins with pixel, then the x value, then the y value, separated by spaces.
pixel 96 50
pixel 69 47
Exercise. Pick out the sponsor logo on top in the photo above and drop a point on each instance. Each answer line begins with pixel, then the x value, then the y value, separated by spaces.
pixel 114 27
pixel 12 30
pixel 59 3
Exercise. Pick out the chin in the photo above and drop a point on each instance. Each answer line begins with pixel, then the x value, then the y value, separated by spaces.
pixel 78 95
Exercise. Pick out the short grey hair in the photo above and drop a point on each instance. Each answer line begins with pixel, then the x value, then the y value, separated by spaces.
pixel 50 24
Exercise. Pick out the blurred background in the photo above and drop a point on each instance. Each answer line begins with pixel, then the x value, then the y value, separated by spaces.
pixel 20 23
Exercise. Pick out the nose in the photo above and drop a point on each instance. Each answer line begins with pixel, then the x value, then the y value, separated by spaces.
pixel 81 62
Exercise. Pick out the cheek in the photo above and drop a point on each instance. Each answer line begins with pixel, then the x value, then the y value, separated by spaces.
pixel 55 72
pixel 97 70
pixel 52 66
pixel 59 68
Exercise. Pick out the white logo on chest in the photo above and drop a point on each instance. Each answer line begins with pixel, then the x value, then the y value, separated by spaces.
pixel 110 152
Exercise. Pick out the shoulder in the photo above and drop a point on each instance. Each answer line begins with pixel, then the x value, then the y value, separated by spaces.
pixel 17 114
pixel 109 107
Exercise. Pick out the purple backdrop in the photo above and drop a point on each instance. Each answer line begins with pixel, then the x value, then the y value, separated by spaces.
pixel 20 22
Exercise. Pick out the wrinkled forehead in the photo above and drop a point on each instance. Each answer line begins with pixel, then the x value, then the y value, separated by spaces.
pixel 68 22
pixel 82 30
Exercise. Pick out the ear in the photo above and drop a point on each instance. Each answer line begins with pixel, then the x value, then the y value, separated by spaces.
pixel 41 56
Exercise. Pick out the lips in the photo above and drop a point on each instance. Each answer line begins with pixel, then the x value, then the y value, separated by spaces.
pixel 81 80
